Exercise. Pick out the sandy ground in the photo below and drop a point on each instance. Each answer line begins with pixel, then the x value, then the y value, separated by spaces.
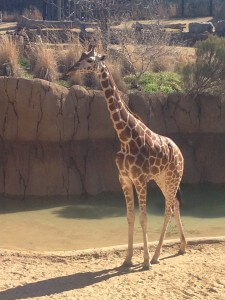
pixel 199 274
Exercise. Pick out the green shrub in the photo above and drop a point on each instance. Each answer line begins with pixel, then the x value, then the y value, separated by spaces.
pixel 207 74
pixel 165 82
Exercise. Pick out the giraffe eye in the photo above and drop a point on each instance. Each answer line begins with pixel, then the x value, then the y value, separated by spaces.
pixel 89 60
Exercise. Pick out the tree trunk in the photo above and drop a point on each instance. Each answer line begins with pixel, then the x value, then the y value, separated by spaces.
pixel 182 8
pixel 211 7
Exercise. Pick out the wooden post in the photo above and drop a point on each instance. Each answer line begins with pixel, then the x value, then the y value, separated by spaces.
pixel 59 10
pixel 211 7
pixel 182 8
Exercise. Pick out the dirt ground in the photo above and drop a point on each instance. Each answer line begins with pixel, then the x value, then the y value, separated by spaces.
pixel 199 274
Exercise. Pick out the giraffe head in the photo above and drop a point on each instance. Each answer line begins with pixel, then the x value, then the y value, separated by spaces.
pixel 89 62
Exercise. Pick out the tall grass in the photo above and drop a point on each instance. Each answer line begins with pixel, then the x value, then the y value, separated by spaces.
pixel 44 63
pixel 9 57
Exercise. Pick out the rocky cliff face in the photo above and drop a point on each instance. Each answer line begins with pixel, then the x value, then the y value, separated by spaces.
pixel 59 142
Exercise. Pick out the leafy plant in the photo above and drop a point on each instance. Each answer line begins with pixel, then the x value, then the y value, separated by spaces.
pixel 207 74
pixel 166 82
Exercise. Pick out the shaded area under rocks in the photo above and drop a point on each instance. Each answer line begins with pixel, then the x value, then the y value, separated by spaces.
pixel 55 141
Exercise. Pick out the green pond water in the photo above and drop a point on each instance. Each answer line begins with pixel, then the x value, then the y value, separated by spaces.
pixel 79 223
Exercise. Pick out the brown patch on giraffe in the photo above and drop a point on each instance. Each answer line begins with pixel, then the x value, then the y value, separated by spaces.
pixel 142 178
pixel 139 159
pixel 115 117
pixel 124 114
pixel 157 147
pixel 172 167
pixel 125 134
pixel 146 166
pixel 111 84
pixel 104 75
pixel 108 93
pixel 134 133
pixel 132 121
pixel 131 159
pixel 152 161
pixel 154 170
pixel 119 160
pixel 157 162
pixel 105 83
pixel 133 147
pixel 102 70
pixel 162 167
pixel 169 173
pixel 136 172
pixel 160 155
pixel 110 100
pixel 144 151
pixel 127 164
pixel 112 106
pixel 119 105
pixel 139 141
pixel 120 126
pixel 164 160
pixel 152 152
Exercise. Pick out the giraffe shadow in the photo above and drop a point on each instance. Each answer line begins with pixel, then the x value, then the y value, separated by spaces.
pixel 66 283
pixel 171 256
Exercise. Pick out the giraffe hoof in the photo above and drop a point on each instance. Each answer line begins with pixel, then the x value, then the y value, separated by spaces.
pixel 146 267
pixel 154 261
pixel 127 264
pixel 181 252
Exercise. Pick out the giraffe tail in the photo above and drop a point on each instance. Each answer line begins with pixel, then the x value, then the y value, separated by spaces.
pixel 179 196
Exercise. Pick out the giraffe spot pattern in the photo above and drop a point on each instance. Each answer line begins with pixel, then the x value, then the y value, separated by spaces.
pixel 125 134
pixel 108 93
pixel 105 83
pixel 135 171
pixel 133 147
pixel 104 75
pixel 115 117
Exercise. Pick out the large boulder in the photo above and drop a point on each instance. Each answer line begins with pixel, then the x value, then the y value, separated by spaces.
pixel 220 27
pixel 200 27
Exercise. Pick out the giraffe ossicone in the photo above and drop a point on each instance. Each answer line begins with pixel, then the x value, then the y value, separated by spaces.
pixel 144 156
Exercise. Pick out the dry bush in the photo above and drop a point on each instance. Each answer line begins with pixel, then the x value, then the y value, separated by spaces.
pixel 9 57
pixel 10 17
pixel 44 63
pixel 33 13
pixel 115 70
pixel 115 55
pixel 68 57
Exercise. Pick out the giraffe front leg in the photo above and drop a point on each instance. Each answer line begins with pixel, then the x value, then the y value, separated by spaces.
pixel 127 187
pixel 142 193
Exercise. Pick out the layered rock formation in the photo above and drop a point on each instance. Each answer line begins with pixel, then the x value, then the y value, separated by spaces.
pixel 55 141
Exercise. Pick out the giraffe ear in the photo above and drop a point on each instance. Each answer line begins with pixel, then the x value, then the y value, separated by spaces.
pixel 103 57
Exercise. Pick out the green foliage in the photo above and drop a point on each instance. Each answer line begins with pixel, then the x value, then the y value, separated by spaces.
pixel 24 62
pixel 165 82
pixel 63 83
pixel 208 73
pixel 25 68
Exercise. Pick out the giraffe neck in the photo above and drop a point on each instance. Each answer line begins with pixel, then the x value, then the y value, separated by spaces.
pixel 119 112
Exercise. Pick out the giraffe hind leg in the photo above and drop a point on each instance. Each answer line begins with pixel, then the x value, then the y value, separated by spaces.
pixel 183 242
pixel 172 202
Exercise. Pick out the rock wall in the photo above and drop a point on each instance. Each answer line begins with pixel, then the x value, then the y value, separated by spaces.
pixel 55 141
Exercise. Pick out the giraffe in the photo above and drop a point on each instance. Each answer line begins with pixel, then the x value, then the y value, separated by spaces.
pixel 144 156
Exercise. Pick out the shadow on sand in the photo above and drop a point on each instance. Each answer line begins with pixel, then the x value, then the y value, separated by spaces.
pixel 65 283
